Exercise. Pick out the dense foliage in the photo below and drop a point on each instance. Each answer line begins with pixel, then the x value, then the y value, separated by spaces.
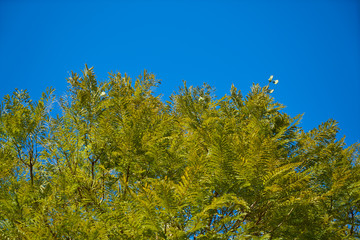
pixel 118 163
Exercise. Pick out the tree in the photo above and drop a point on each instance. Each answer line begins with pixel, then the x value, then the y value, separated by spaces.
pixel 118 163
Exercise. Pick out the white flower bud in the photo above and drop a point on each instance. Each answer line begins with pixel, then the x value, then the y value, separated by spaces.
pixel 276 81
pixel 271 90
pixel 271 78
pixel 102 94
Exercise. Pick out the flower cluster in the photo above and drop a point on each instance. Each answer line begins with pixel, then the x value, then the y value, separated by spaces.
pixel 273 81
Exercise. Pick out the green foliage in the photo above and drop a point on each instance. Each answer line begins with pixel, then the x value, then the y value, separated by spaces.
pixel 118 163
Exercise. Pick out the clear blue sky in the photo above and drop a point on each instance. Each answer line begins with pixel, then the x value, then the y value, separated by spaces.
pixel 312 47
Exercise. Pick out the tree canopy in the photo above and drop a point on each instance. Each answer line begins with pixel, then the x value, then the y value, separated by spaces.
pixel 120 163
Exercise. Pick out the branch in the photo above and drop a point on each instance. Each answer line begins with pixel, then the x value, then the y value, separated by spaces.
pixel 286 217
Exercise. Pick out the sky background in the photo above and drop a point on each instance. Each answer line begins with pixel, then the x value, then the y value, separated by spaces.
pixel 312 47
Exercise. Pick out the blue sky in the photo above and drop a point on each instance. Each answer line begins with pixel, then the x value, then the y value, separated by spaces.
pixel 312 47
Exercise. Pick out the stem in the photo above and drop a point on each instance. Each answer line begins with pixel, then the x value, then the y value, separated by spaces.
pixel 92 170
pixel 352 222
pixel 286 217
pixel 103 185
pixel 31 166
pixel 127 179
pixel 31 174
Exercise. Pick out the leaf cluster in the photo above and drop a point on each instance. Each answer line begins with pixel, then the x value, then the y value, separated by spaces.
pixel 118 163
